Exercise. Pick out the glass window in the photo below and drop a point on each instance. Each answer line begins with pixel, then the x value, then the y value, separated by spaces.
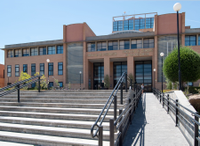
pixel 34 51
pixel 101 46
pixel 115 26
pixel 50 84
pixel 17 70
pixel 148 43
pixel 142 23
pixel 137 24
pixel 190 83
pixel 119 25
pixel 25 68
pixel 149 22
pixel 33 70
pixel 130 24
pixel 42 50
pixel 18 53
pixel 50 68
pixel 33 85
pixel 25 52
pixel 9 70
pixel 113 45
pixel 136 44
pixel 125 24
pixel 123 44
pixel 59 49
pixel 10 53
pixel 60 68
pixel 190 40
pixel 41 68
pixel 51 50
pixel 61 84
pixel 90 47
pixel 199 40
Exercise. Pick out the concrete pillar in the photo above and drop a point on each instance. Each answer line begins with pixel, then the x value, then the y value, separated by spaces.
pixel 106 66
pixel 130 65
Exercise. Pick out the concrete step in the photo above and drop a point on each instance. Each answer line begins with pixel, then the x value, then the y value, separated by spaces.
pixel 5 143
pixel 51 122
pixel 52 131
pixel 46 140
pixel 61 116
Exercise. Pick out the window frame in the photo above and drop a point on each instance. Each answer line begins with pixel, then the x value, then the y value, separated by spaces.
pixel 9 72
pixel 59 49
pixel 34 51
pixel 50 72
pixel 25 66
pixel 42 71
pixel 51 50
pixel 27 52
pixel 17 71
pixel 60 64
pixel 33 69
pixel 42 50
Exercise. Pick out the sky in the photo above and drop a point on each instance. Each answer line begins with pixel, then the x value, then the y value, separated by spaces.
pixel 23 21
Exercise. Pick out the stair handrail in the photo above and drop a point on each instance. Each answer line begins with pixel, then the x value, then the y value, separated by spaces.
pixel 110 99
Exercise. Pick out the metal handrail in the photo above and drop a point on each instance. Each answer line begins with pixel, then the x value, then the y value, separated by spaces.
pixel 111 98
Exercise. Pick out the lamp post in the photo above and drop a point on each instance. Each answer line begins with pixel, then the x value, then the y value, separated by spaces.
pixel 48 60
pixel 80 79
pixel 154 70
pixel 177 7
pixel 162 54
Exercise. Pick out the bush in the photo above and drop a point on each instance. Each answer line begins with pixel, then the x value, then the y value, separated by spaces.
pixel 106 81
pixel 194 90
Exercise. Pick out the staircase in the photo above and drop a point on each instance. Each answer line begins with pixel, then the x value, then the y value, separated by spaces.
pixel 53 118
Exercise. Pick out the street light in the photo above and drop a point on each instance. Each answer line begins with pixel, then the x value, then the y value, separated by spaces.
pixel 177 7
pixel 162 54
pixel 80 79
pixel 48 60
pixel 154 70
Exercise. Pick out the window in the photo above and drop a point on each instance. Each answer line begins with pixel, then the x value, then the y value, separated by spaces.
pixel 33 71
pixel 10 53
pixel 123 45
pixel 41 68
pixel 51 50
pixel 34 51
pixel 190 40
pixel 50 84
pixel 18 53
pixel 90 47
pixel 50 68
pixel 125 24
pixel 119 25
pixel 148 43
pixel 190 83
pixel 149 22
pixel 25 52
pixel 115 26
pixel 101 46
pixel 137 24
pixel 61 84
pixel 42 50
pixel 113 45
pixel 136 44
pixel 25 68
pixel 60 68
pixel 9 70
pixel 130 24
pixel 142 23
pixel 33 85
pixel 199 40
pixel 17 70
pixel 59 50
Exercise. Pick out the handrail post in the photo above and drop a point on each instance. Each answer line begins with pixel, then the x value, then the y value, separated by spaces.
pixel 131 83
pixel 130 112
pixel 39 84
pixel 111 132
pixel 18 93
pixel 196 129
pixel 115 107
pixel 163 100
pixel 122 93
pixel 160 97
pixel 126 82
pixel 168 103
pixel 100 135
pixel 176 112
pixel 120 130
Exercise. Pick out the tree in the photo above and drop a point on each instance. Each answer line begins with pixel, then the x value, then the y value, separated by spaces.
pixel 43 83
pixel 130 77
pixel 106 81
pixel 190 65
pixel 24 76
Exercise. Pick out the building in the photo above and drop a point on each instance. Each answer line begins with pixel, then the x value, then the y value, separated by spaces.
pixel 2 76
pixel 133 46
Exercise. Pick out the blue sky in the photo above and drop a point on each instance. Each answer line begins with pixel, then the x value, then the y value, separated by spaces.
pixel 23 21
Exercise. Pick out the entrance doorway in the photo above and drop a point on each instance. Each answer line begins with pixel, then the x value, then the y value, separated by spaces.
pixel 143 74
pixel 118 69
pixel 98 79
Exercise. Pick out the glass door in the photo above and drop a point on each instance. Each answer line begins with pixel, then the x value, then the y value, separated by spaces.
pixel 98 79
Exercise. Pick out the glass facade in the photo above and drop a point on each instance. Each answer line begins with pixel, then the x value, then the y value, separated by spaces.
pixel 34 51
pixel 60 68
pixel 9 70
pixel 148 43
pixel 43 51
pixel 51 50
pixel 91 47
pixel 143 74
pixel 190 40
pixel 18 53
pixel 118 69
pixel 74 63
pixel 59 49
pixel 10 53
pixel 25 68
pixel 41 68
pixel 25 52
pixel 33 69
pixel 98 80
pixel 113 45
pixel 101 46
pixel 50 69
pixel 135 44
pixel 124 44
pixel 17 70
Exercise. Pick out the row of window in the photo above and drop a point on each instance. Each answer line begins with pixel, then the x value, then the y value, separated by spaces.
pixel 35 51
pixel 125 44
pixel 133 24
pixel 192 40
pixel 33 69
